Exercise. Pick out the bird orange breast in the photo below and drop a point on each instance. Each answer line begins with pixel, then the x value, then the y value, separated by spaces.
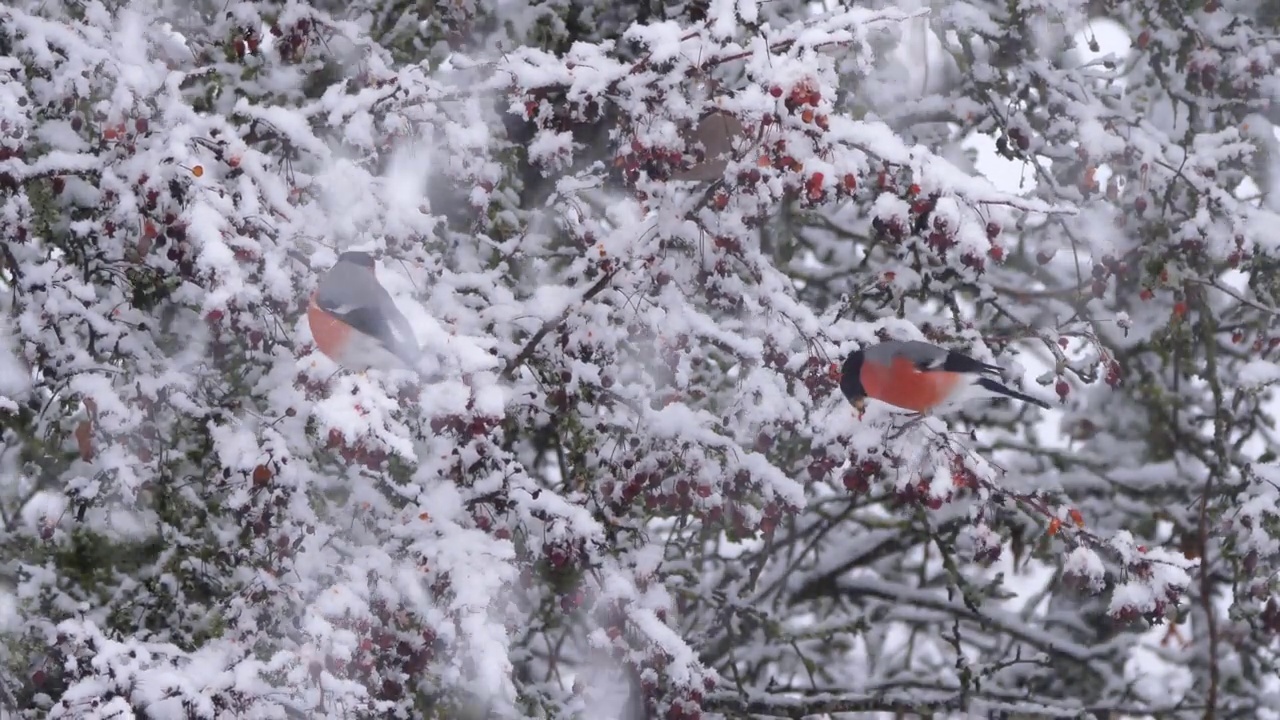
pixel 905 386
pixel 331 334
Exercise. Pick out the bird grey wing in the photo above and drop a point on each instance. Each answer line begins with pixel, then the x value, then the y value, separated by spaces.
pixel 961 363
pixel 923 355
pixel 927 356
pixel 361 302
pixel 366 320
pixel 376 322
pixel 398 321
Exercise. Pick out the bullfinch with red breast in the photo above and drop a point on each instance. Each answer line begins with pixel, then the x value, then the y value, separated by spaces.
pixel 918 376
pixel 354 320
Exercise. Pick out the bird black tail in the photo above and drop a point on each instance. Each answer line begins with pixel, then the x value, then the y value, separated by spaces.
pixel 999 389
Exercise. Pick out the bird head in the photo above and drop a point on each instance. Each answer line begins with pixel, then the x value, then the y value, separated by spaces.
pixel 851 380
pixel 357 257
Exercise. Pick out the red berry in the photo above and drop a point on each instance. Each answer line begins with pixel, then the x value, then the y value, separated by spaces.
pixel 1063 389
pixel 775 91
pixel 261 475
pixel 1125 614
pixel 817 469
pixel 1113 377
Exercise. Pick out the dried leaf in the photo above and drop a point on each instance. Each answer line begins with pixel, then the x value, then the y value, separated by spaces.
pixel 718 132
pixel 84 440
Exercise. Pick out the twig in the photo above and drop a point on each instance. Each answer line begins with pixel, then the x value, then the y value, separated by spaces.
pixel 527 351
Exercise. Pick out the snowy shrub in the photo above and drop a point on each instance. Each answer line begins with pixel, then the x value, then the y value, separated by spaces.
pixel 640 238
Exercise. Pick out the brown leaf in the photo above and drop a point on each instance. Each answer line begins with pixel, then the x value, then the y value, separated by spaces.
pixel 718 132
pixel 1077 517
pixel 84 440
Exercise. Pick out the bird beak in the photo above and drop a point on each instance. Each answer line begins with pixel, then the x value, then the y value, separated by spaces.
pixel 860 404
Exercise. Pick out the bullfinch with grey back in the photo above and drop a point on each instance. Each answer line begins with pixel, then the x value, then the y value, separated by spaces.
pixel 919 376
pixel 356 323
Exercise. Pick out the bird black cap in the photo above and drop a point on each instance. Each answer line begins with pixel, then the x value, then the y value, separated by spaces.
pixel 851 376
pixel 357 257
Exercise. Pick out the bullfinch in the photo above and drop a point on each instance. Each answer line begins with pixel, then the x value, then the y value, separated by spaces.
pixel 354 320
pixel 918 376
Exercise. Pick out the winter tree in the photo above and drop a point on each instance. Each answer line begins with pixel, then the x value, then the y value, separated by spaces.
pixel 637 240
